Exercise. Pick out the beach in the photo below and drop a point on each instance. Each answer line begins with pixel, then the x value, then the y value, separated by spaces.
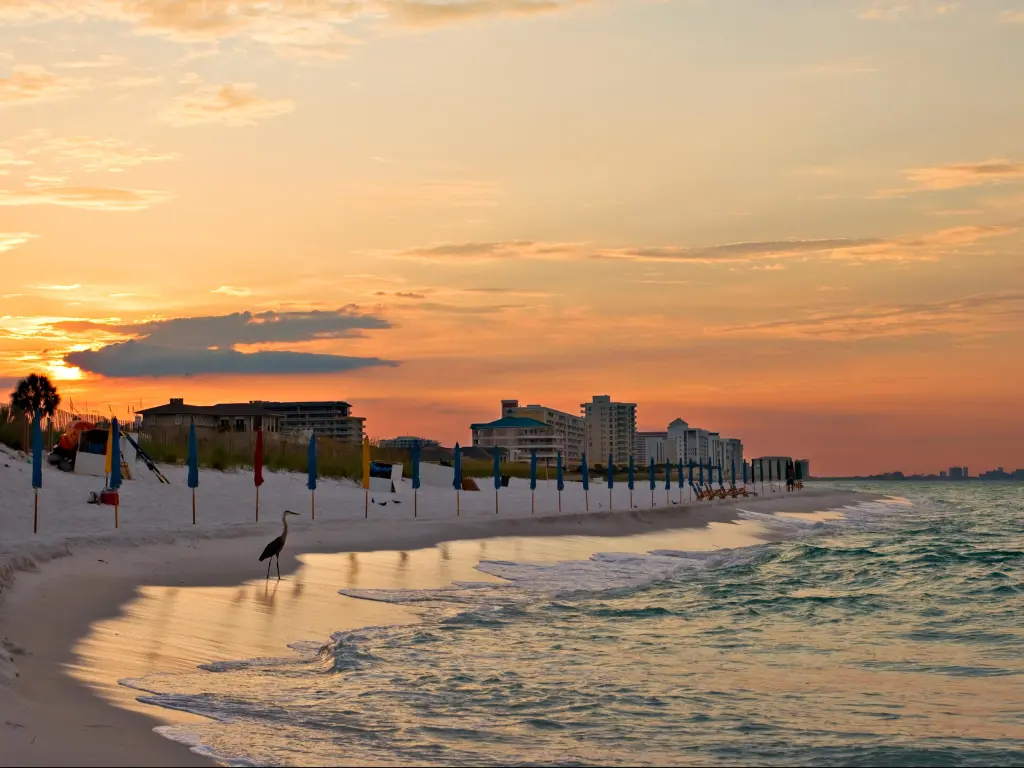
pixel 57 710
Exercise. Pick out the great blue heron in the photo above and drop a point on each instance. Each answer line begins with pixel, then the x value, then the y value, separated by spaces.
pixel 274 548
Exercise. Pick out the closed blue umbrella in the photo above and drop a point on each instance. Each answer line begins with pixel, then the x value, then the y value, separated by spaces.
pixel 700 475
pixel 650 477
pixel 679 480
pixel 533 477
pixel 415 477
pixel 668 475
pixel 611 478
pixel 457 478
pixel 720 483
pixel 631 480
pixel 585 472
pixel 559 480
pixel 193 466
pixel 497 477
pixel 311 480
pixel 37 465
pixel 692 488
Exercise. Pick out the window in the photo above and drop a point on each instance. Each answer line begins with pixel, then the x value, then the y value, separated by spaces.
pixel 177 418
pixel 239 425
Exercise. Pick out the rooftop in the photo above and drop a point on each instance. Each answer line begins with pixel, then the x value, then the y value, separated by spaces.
pixel 179 407
pixel 510 422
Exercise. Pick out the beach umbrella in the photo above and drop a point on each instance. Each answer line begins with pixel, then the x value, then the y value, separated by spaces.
pixel 257 469
pixel 732 469
pixel 631 480
pixel 415 476
pixel 115 465
pixel 457 478
pixel 497 477
pixel 770 477
pixel 193 466
pixel 668 480
pixel 559 480
pixel 366 477
pixel 692 489
pixel 700 475
pixel 311 481
pixel 720 483
pixel 679 480
pixel 650 477
pixel 585 472
pixel 744 473
pixel 107 456
pixel 37 465
pixel 778 470
pixel 611 478
pixel 533 478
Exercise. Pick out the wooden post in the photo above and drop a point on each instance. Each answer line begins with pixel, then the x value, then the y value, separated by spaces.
pixel 115 513
pixel 193 506
pixel 609 499
pixel 495 501
pixel 559 502
pixel 630 499
pixel 666 498
pixel 312 504
pixel 366 503
pixel 586 500
pixel 458 503
pixel 415 502
pixel 533 502
pixel 35 517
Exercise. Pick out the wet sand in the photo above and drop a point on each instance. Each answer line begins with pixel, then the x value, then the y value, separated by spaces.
pixel 106 613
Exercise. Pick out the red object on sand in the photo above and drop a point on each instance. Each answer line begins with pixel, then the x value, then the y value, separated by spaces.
pixel 109 497
pixel 257 460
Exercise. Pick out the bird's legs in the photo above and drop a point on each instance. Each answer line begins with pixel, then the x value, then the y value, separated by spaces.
pixel 278 561
pixel 268 569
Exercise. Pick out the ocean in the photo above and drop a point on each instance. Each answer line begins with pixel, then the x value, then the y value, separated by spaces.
pixel 887 634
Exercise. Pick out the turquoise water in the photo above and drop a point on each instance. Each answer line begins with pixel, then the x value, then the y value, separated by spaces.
pixel 891 636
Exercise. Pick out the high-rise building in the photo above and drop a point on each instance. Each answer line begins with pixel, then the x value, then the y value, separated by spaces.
pixel 651 445
pixel 687 444
pixel 568 429
pixel 732 457
pixel 956 473
pixel 610 429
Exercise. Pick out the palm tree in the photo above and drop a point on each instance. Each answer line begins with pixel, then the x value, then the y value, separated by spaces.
pixel 35 391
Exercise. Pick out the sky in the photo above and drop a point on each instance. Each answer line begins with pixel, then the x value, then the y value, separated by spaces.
pixel 797 222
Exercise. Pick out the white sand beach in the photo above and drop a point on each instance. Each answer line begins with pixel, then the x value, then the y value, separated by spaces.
pixel 83 605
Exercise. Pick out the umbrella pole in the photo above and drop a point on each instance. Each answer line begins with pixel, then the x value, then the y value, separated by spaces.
pixel 115 515
pixel 257 503
pixel 35 516
pixel 559 502
pixel 366 503
pixel 415 502
pixel 533 497
pixel 495 501
pixel 609 499
pixel 312 504
pixel 193 506
pixel 652 499
pixel 631 499
pixel 458 504
pixel 586 500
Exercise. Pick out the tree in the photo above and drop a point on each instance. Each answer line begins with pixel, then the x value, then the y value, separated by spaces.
pixel 35 391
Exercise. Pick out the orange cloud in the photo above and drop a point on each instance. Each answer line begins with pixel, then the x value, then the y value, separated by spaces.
pixel 984 314
pixel 957 176
pixel 28 84
pixel 235 104
pixel 912 248
pixel 93 198
pixel 11 240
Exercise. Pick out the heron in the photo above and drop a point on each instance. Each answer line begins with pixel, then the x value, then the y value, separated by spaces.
pixel 274 548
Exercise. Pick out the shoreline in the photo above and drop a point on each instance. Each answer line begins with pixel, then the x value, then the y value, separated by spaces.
pixel 50 610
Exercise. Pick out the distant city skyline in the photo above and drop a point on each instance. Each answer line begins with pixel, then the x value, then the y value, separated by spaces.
pixel 799 222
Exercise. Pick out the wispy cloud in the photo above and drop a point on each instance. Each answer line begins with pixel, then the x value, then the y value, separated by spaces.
pixel 1012 17
pixel 93 198
pixel 104 61
pixel 28 84
pixel 234 104
pixel 979 314
pixel 926 247
pixel 11 240
pixel 229 290
pixel 957 176
pixel 898 10
pixel 73 287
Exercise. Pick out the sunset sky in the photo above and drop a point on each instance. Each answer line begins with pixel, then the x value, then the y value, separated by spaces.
pixel 798 222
